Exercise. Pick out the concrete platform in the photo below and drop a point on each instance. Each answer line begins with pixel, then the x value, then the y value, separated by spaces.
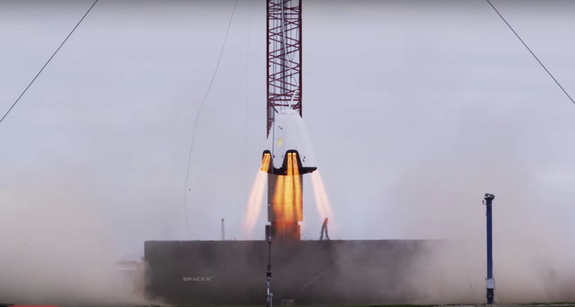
pixel 304 273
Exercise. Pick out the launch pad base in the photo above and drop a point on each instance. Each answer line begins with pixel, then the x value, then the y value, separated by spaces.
pixel 304 272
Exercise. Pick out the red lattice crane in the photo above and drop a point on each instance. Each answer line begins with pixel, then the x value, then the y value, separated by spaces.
pixel 284 86
pixel 284 91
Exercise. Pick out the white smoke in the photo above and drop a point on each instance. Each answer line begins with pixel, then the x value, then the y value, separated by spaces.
pixel 56 250
pixel 440 198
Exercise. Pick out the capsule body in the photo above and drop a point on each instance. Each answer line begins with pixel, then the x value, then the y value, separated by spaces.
pixel 288 138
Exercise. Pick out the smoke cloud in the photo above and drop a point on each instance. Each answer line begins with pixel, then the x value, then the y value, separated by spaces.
pixel 440 198
pixel 56 249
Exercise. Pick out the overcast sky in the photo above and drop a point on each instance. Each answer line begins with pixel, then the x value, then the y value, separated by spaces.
pixel 415 109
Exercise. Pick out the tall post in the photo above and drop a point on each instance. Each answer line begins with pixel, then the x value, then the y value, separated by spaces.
pixel 270 295
pixel 223 231
pixel 489 281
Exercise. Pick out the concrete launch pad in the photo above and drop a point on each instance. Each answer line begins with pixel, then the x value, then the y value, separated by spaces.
pixel 304 272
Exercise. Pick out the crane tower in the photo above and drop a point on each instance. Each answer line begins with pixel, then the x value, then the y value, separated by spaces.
pixel 284 58
pixel 284 93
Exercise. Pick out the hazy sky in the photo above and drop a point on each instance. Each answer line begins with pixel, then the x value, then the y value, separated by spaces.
pixel 409 104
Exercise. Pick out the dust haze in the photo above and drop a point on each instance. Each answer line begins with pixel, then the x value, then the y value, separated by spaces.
pixel 56 249
pixel 440 198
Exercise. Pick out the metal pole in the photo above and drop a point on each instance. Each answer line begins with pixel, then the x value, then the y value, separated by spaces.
pixel 489 281
pixel 223 231
pixel 269 296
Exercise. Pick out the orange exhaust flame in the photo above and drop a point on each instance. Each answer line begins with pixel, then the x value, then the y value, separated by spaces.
pixel 287 199
pixel 254 205
pixel 321 199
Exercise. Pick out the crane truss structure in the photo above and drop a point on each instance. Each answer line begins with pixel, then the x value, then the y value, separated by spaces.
pixel 284 57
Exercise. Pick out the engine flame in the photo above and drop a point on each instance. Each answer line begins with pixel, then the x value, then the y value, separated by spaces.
pixel 287 199
pixel 254 205
pixel 321 199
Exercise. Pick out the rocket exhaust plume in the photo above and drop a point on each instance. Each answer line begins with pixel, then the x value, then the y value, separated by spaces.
pixel 254 205
pixel 321 199
pixel 287 198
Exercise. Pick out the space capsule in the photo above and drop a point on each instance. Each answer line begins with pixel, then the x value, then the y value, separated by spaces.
pixel 288 139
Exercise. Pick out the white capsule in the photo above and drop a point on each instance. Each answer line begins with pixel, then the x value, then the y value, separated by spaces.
pixel 289 135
